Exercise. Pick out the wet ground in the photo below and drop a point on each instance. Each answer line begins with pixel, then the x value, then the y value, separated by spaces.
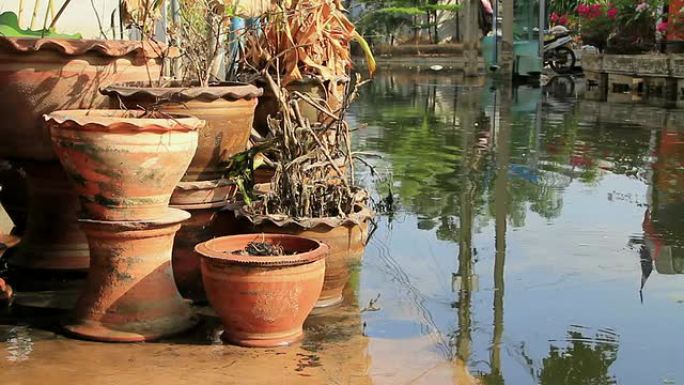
pixel 521 227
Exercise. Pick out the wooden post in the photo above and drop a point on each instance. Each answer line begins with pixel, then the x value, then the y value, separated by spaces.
pixel 507 56
pixel 470 35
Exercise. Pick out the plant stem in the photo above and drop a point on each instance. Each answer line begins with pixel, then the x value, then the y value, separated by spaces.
pixel 59 14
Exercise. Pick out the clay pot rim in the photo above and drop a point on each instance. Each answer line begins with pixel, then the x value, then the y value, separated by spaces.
pixel 359 217
pixel 78 47
pixel 8 241
pixel 116 120
pixel 173 216
pixel 204 184
pixel 200 206
pixel 173 92
pixel 211 251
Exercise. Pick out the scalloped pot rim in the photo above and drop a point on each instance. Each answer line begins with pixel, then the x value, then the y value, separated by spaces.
pixel 229 91
pixel 222 250
pixel 115 120
pixel 77 47
pixel 356 219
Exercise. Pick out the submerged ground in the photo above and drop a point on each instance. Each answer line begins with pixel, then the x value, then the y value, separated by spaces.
pixel 524 222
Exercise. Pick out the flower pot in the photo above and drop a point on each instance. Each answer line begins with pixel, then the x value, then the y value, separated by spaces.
pixel 123 164
pixel 227 108
pixel 346 238
pixel 185 262
pixel 317 90
pixel 130 294
pixel 204 192
pixel 42 75
pixel 262 301
pixel 52 239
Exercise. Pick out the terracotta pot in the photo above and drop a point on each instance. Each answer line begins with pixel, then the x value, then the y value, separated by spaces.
pixel 227 108
pixel 123 165
pixel 52 240
pixel 42 75
pixel 347 244
pixel 346 237
pixel 130 294
pixel 262 301
pixel 312 87
pixel 212 191
pixel 201 227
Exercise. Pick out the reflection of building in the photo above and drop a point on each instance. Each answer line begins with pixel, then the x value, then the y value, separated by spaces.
pixel 663 223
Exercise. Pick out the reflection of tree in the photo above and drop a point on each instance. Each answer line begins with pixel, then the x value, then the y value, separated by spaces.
pixel 584 362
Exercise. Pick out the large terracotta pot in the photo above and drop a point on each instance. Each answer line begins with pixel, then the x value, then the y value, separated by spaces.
pixel 130 294
pixel 124 165
pixel 317 90
pixel 53 239
pixel 346 238
pixel 227 108
pixel 201 227
pixel 43 75
pixel 262 301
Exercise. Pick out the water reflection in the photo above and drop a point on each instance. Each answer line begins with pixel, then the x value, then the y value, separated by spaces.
pixel 482 168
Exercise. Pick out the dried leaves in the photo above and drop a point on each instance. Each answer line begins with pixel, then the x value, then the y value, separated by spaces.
pixel 305 37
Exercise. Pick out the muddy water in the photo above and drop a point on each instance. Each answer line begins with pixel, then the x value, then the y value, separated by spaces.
pixel 522 226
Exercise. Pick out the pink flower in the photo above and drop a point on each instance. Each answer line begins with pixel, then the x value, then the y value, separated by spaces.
pixel 583 10
pixel 641 7
pixel 563 20
pixel 661 26
pixel 554 17
pixel 612 13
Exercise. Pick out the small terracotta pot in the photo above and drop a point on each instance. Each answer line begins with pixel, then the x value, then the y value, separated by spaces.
pixel 123 164
pixel 53 239
pixel 205 192
pixel 316 89
pixel 40 75
pixel 347 244
pixel 228 109
pixel 130 294
pixel 201 227
pixel 346 237
pixel 262 301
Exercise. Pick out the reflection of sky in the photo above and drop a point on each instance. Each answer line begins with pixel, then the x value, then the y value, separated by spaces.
pixel 576 269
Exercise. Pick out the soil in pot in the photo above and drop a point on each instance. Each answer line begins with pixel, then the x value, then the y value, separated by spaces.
pixel 123 164
pixel 262 300
pixel 227 108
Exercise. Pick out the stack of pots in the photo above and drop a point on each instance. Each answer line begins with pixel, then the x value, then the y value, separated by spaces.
pixel 124 165
pixel 40 75
pixel 228 109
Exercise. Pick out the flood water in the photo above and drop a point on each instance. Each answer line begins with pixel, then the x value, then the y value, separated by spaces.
pixel 522 224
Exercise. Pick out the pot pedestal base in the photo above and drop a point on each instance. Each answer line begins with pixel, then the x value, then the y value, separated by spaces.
pixel 264 340
pixel 130 294
pixel 328 302
pixel 98 331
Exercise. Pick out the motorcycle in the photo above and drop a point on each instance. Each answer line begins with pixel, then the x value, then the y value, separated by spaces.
pixel 557 53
